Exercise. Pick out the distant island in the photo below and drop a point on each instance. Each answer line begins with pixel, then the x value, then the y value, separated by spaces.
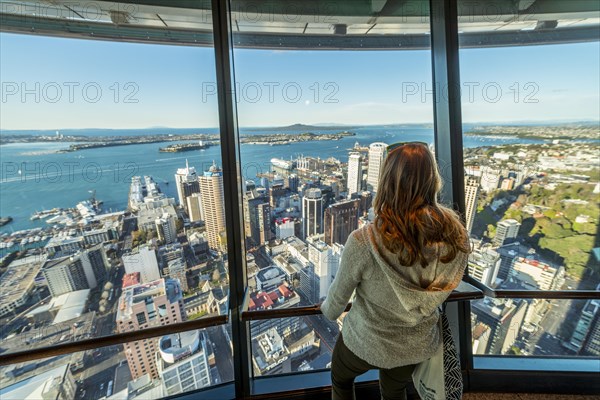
pixel 202 141
pixel 302 128
pixel 548 132
pixel 181 147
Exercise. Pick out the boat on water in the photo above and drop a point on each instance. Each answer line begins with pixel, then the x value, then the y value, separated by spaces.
pixel 5 220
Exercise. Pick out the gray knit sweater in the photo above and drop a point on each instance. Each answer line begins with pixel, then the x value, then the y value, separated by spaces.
pixel 393 319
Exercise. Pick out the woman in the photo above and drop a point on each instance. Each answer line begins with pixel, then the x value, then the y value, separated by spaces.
pixel 402 266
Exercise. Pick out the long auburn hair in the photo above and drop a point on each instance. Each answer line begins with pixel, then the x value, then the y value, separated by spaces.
pixel 408 216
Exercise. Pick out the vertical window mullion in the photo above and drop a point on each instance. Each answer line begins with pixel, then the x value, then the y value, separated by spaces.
pixel 232 192
pixel 448 138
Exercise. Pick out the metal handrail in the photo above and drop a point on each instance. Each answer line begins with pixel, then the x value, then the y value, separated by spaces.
pixel 103 341
pixel 315 309
pixel 534 294
pixel 481 291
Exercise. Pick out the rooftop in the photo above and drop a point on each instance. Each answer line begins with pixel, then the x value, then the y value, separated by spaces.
pixel 269 273
pixel 267 300
pixel 40 386
pixel 72 305
pixel 18 278
pixel 140 292
pixel 131 279
pixel 179 345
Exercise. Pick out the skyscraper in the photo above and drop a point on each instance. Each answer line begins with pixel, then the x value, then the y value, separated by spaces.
pixel 284 228
pixel 471 192
pixel 340 220
pixel 354 174
pixel 187 183
pixel 145 305
pixel 257 215
pixel 291 182
pixel 82 270
pixel 507 229
pixel 484 265
pixel 377 153
pixel 325 262
pixel 194 203
pixel 504 318
pixel 182 361
pixel 213 204
pixel 276 191
pixel 312 212
pixel 166 228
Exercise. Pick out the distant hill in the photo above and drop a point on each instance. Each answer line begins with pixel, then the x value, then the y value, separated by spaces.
pixel 302 127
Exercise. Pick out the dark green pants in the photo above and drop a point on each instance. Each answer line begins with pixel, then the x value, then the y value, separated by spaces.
pixel 345 366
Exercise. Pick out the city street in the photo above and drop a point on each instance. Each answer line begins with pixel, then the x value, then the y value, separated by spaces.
pixel 223 356
pixel 99 371
pixel 323 330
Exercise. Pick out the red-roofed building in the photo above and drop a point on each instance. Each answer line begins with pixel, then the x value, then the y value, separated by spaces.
pixel 537 274
pixel 131 279
pixel 274 299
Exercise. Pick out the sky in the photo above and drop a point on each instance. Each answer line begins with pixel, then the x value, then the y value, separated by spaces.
pixel 58 83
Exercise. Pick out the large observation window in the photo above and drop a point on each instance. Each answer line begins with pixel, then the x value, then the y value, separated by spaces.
pixel 315 118
pixel 532 169
pixel 112 190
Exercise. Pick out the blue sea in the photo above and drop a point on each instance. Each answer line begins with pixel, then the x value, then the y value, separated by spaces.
pixel 48 179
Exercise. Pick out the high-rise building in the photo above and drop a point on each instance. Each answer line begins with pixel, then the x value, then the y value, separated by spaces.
pixel 537 275
pixel 504 318
pixel 82 270
pixel 166 228
pixel 213 204
pixel 182 361
pixel 257 219
pixel 506 229
pixel 325 262
pixel 340 220
pixel 291 182
pixel 587 330
pixel 142 260
pixel 507 253
pixel 284 228
pixel 168 253
pixel 471 193
pixel 377 152
pixel 194 207
pixel 187 183
pixel 490 178
pixel 276 191
pixel 177 269
pixel 591 345
pixel 484 264
pixel 312 212
pixel 365 199
pixel 354 174
pixel 142 306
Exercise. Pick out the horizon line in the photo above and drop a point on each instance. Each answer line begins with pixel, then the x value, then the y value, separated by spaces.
pixel 323 125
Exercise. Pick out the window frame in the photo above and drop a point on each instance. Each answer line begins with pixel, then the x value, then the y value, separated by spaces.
pixel 448 137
